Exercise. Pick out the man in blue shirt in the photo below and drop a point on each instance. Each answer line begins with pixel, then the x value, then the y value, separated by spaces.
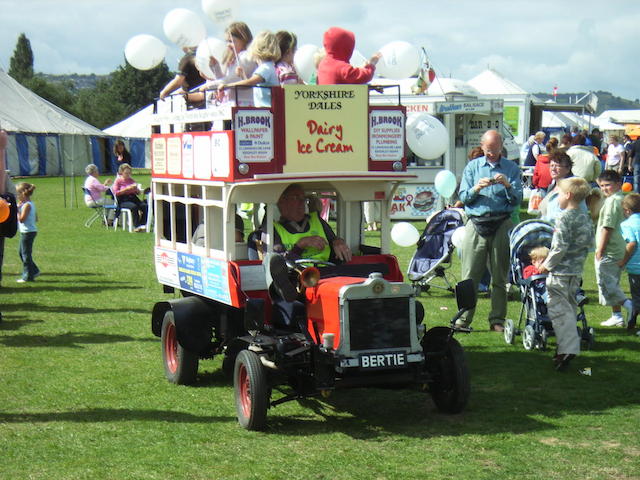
pixel 491 188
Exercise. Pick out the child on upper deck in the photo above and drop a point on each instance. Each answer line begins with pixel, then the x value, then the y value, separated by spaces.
pixel 265 50
pixel 335 68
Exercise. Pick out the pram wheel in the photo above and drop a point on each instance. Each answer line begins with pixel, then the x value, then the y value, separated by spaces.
pixel 589 338
pixel 528 338
pixel 544 338
pixel 509 331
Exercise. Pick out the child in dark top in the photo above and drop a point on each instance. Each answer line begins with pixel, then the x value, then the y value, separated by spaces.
pixel 335 68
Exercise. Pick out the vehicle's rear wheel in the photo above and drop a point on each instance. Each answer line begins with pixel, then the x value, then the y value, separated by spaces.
pixel 180 365
pixel 450 385
pixel 251 391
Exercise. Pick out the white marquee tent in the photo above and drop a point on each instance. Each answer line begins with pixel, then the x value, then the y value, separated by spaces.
pixel 43 138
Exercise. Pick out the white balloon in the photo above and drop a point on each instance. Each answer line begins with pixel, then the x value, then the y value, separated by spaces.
pixel 145 52
pixel 357 59
pixel 457 237
pixel 427 137
pixel 183 27
pixel 404 234
pixel 209 47
pixel 399 60
pixel 305 62
pixel 220 11
pixel 445 183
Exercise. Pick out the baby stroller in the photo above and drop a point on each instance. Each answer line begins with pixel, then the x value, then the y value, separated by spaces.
pixel 533 292
pixel 429 264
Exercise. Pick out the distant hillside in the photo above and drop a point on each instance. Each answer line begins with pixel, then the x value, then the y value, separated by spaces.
pixel 606 101
pixel 78 81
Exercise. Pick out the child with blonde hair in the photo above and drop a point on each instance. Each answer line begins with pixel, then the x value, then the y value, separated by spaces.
pixel 27 225
pixel 537 255
pixel 265 50
pixel 572 239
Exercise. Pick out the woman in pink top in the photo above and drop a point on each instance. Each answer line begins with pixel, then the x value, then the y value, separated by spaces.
pixel 94 187
pixel 126 191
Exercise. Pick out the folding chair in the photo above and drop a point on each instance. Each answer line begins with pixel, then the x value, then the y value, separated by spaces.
pixel 99 211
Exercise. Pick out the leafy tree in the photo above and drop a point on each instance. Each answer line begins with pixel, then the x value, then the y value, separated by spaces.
pixel 61 94
pixel 136 88
pixel 21 63
pixel 99 106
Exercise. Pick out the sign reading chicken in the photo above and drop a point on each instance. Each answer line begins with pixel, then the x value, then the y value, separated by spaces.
pixel 326 128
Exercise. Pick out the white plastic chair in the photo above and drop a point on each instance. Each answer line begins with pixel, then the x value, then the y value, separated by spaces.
pixel 125 219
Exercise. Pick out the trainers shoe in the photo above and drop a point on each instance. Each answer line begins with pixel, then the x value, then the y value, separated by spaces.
pixel 21 280
pixel 613 321
pixel 280 275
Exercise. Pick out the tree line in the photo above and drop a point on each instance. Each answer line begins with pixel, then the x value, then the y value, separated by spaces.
pixel 122 93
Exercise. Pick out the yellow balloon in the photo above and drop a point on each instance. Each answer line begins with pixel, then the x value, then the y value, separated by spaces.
pixel 5 209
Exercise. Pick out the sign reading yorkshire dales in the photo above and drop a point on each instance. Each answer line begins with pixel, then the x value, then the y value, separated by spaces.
pixel 326 128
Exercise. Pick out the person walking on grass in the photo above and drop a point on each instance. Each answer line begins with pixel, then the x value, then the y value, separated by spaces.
pixel 572 239
pixel 27 218
pixel 631 260
pixel 491 188
pixel 610 248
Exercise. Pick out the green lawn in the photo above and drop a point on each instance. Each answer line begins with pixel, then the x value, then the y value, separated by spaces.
pixel 83 393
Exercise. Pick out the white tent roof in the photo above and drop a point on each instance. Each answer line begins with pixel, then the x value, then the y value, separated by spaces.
pixel 21 110
pixel 137 125
pixel 491 82
pixel 562 120
pixel 451 86
pixel 620 116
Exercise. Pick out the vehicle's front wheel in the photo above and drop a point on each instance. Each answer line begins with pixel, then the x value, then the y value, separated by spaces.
pixel 450 385
pixel 251 391
pixel 180 365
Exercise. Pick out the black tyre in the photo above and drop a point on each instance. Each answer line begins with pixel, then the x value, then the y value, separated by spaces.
pixel 180 365
pixel 251 391
pixel 450 386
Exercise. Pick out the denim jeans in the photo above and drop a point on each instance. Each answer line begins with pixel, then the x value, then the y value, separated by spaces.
pixel 30 269
pixel 636 177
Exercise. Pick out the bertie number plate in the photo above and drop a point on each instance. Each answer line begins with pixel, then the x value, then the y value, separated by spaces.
pixel 383 360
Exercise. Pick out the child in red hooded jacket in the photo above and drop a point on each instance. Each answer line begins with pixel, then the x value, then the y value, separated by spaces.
pixel 335 68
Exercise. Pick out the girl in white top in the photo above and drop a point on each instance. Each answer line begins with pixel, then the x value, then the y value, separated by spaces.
pixel 27 225
pixel 615 155
pixel 236 65
pixel 265 50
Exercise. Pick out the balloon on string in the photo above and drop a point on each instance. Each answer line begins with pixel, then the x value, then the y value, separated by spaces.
pixel 445 183
pixel 627 187
pixel 144 52
pixel 183 27
pixel 220 11
pixel 457 237
pixel 209 47
pixel 5 210
pixel 305 62
pixel 427 137
pixel 404 234
pixel 399 60
pixel 357 59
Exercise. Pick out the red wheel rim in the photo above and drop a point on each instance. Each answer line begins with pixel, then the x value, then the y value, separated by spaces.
pixel 245 391
pixel 171 348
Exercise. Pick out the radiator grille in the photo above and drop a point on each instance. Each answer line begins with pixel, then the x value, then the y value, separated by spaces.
pixel 379 323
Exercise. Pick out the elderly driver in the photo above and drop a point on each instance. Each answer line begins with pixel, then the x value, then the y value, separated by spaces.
pixel 301 235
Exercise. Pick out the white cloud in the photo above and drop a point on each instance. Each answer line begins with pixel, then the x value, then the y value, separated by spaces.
pixel 578 44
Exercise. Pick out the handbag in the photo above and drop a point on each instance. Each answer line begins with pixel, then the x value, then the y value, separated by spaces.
pixel 534 202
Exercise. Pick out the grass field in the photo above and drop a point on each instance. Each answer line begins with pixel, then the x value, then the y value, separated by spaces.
pixel 83 393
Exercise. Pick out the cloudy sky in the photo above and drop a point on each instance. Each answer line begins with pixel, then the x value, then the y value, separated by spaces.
pixel 576 45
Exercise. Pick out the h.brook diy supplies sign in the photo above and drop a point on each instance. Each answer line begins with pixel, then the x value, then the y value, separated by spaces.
pixel 326 128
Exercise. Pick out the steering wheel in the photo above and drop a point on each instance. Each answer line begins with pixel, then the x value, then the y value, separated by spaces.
pixel 316 262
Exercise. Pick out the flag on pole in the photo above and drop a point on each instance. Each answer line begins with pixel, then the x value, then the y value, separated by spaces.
pixel 555 92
